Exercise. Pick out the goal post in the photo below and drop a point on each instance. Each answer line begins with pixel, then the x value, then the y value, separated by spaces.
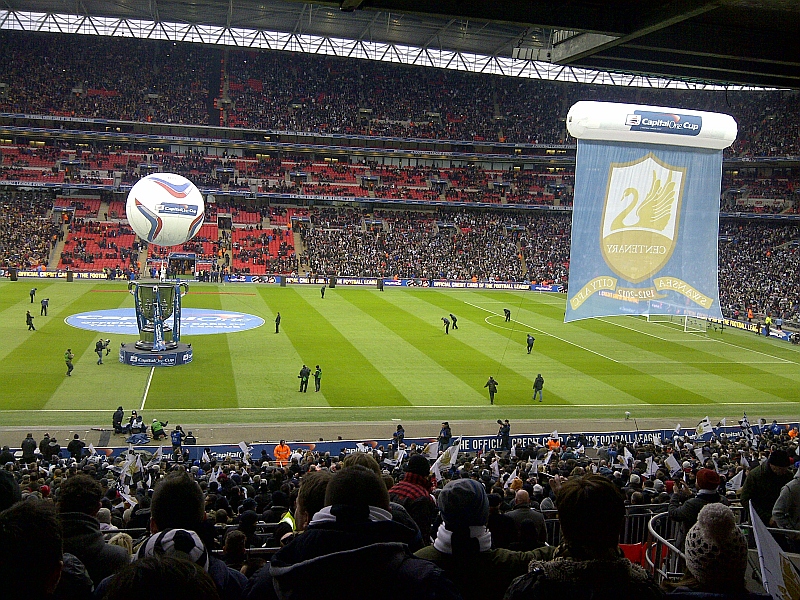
pixel 685 322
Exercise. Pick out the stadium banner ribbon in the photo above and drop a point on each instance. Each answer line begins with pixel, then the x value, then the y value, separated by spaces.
pixel 646 209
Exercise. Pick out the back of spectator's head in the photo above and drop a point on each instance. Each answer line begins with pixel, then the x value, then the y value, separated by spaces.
pixel 522 498
pixel 80 493
pixel 418 465
pixel 716 550
pixel 706 479
pixel 162 578
pixel 311 496
pixel 123 540
pixel 363 459
pixel 235 542
pixel 104 516
pixel 357 486
pixel 180 543
pixel 591 512
pixel 9 490
pixel 177 503
pixel 463 503
pixel 30 550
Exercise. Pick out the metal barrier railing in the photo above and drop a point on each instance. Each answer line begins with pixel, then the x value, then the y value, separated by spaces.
pixel 663 559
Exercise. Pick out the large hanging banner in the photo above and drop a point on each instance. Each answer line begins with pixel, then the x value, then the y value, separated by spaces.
pixel 645 220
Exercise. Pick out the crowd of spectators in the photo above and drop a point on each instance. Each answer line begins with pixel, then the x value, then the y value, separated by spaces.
pixel 27 231
pixel 493 524
pixel 150 80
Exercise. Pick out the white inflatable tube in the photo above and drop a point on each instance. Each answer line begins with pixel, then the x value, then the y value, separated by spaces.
pixel 610 121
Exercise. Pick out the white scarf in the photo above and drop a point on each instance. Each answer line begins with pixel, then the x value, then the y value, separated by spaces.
pixel 480 532
pixel 375 514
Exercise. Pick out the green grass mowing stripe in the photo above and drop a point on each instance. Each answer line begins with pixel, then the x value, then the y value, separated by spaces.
pixel 414 320
pixel 35 368
pixel 509 340
pixel 205 382
pixel 623 377
pixel 349 378
pixel 412 372
pixel 265 364
pixel 730 371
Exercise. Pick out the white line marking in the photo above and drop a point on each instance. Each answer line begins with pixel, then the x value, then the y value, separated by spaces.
pixel 418 407
pixel 147 388
pixel 543 332
pixel 706 339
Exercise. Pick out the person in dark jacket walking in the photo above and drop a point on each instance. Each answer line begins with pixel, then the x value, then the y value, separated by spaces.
pixel 492 385
pixel 305 372
pixel 531 339
pixel 33 294
pixel 68 356
pixel 29 321
pixel 75 447
pixel 45 304
pixel 317 378
pixel 278 323
pixel 98 349
pixel 355 528
pixel 538 384
pixel 322 292
pixel 455 321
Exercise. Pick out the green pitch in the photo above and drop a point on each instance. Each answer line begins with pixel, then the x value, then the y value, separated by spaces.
pixel 385 355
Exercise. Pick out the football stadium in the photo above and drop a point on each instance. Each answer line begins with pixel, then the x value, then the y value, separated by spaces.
pixel 497 301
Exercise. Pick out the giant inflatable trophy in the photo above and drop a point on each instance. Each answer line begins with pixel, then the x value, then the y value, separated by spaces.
pixel 155 304
pixel 165 210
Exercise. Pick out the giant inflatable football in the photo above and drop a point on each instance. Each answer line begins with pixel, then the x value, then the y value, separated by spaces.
pixel 165 209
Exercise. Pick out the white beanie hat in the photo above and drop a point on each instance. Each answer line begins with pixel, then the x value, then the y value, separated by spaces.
pixel 715 548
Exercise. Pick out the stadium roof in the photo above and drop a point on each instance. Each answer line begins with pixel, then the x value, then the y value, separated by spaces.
pixel 725 42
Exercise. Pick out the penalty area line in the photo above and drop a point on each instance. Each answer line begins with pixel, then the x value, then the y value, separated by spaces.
pixel 541 331
pixel 147 387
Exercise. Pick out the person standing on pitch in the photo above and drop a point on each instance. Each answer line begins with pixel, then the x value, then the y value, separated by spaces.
pixel 45 304
pixel 278 323
pixel 303 377
pixel 531 339
pixel 322 291
pixel 492 385
pixel 455 321
pixel 446 322
pixel 29 321
pixel 317 378
pixel 33 294
pixel 98 349
pixel 538 384
pixel 507 313
pixel 68 356
pixel 445 435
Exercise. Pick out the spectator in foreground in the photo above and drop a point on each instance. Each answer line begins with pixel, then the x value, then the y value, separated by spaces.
pixel 78 504
pixel 786 512
pixel 463 544
pixel 684 508
pixel 763 486
pixel 588 563
pixel 716 559
pixel 414 494
pixel 524 514
pixel 32 562
pixel 355 531
pixel 162 577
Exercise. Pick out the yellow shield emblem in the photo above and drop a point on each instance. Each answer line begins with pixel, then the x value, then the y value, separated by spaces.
pixel 641 215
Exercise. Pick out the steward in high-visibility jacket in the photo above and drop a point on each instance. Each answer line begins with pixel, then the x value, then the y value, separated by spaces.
pixel 282 453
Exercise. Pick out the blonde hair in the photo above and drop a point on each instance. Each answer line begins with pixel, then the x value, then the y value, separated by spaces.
pixel 123 540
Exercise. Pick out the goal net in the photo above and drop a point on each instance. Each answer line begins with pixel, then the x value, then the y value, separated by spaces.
pixel 687 323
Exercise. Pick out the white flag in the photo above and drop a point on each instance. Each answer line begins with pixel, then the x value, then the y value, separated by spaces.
pixel 547 457
pixel 698 452
pixel 401 454
pixel 657 439
pixel 437 473
pixel 92 451
pixel 245 452
pixel 704 427
pixel 780 577
pixel 721 422
pixel 361 447
pixel 735 484
pixel 511 478
pixel 628 457
pixel 673 464
pixel 129 499
pixel 744 462
pixel 580 449
pixel 214 475
pixel 496 469
pixel 432 450
pixel 156 457
pixel 206 458
pixel 652 467
pixel 554 435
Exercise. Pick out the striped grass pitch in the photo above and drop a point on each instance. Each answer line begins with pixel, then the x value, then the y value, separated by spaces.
pixel 385 355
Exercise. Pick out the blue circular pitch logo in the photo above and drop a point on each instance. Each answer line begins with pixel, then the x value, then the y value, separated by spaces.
pixel 194 321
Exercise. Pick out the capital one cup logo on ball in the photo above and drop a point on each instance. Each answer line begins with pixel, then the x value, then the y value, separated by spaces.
pixel 165 209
